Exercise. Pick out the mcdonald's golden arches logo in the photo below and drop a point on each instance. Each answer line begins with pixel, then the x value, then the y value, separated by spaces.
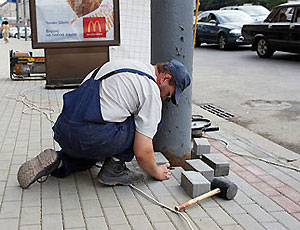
pixel 94 27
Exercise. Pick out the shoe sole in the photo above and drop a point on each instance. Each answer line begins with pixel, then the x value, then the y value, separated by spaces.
pixel 112 183
pixel 41 165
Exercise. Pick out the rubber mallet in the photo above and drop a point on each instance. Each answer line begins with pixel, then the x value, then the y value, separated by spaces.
pixel 219 186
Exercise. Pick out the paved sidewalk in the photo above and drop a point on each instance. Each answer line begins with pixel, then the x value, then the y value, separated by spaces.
pixel 268 197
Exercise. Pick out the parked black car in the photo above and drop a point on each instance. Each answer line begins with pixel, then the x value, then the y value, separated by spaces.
pixel 222 27
pixel 279 31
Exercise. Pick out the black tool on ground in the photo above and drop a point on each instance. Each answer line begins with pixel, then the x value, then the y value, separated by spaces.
pixel 201 125
pixel 219 186
pixel 23 66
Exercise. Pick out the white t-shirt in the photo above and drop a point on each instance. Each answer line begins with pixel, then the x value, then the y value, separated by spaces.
pixel 126 94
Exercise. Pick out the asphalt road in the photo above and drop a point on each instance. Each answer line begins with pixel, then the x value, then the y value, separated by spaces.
pixel 262 94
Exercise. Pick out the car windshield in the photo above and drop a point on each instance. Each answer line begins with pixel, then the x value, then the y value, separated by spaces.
pixel 255 10
pixel 234 16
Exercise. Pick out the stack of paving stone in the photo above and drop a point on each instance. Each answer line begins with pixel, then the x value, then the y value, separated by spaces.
pixel 201 169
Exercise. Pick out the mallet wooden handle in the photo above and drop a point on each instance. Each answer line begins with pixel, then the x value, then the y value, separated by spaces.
pixel 197 199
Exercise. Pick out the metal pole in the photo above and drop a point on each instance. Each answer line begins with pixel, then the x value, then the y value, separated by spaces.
pixel 17 18
pixel 172 38
pixel 25 20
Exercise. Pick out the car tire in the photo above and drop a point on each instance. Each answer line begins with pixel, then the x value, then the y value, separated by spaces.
pixel 16 35
pixel 222 42
pixel 262 48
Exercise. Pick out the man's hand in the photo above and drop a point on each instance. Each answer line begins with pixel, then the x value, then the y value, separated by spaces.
pixel 163 172
pixel 143 151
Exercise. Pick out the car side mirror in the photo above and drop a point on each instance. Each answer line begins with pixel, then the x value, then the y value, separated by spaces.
pixel 213 22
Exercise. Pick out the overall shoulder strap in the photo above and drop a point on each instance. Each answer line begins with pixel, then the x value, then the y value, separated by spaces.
pixel 124 70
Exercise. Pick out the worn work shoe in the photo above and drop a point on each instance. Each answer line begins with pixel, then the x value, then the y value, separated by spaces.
pixel 40 166
pixel 115 172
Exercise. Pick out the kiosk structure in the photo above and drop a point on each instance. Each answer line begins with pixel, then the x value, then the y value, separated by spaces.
pixel 75 35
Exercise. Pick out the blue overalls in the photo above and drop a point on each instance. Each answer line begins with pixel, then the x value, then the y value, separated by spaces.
pixel 83 135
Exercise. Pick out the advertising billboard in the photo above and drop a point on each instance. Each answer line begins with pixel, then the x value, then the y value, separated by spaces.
pixel 74 23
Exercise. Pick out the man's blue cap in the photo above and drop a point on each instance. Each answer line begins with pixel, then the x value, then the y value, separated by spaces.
pixel 181 76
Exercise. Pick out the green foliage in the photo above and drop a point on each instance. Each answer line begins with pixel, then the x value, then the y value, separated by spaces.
pixel 217 4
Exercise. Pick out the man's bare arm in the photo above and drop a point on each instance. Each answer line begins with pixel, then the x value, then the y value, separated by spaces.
pixel 143 150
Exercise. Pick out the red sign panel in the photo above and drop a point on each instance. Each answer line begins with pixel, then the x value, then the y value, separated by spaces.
pixel 94 27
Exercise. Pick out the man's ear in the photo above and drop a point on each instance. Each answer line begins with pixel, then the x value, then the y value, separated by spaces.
pixel 167 76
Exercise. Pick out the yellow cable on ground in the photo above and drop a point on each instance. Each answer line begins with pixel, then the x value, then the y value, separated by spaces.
pixel 195 27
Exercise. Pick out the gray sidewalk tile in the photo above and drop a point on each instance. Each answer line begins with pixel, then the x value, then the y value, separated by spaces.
pixel 10 224
pixel 3 175
pixel 96 223
pixel 206 223
pixel 230 206
pixel 171 182
pixel 232 227
pixel 247 222
pixel 220 216
pixel 266 203
pixel 51 206
pixel 139 222
pixel 258 213
pixel 70 202
pixel 50 189
pixel 120 227
pixel 123 192
pixel 163 226
pixel 131 206
pixel 195 212
pixel 114 216
pixel 208 203
pixel 50 222
pixel 287 220
pixel 179 194
pixel 108 198
pixel 31 199
pixel 10 209
pixel 274 225
pixel 30 215
pixel 73 219
pixel 158 188
pixel 91 208
pixel 13 193
pixel 30 227
pixel 155 213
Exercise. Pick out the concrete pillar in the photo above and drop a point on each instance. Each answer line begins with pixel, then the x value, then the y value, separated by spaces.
pixel 172 38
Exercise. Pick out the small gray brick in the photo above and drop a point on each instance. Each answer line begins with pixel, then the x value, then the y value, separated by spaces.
pixel 220 216
pixel 139 222
pixel 206 223
pixel 218 163
pixel 194 183
pixel 95 223
pixel 164 226
pixel 287 220
pixel 50 222
pixel 160 158
pixel 274 225
pixel 258 213
pixel 247 222
pixel 201 167
pixel 115 216
pixel 155 213
pixel 200 146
